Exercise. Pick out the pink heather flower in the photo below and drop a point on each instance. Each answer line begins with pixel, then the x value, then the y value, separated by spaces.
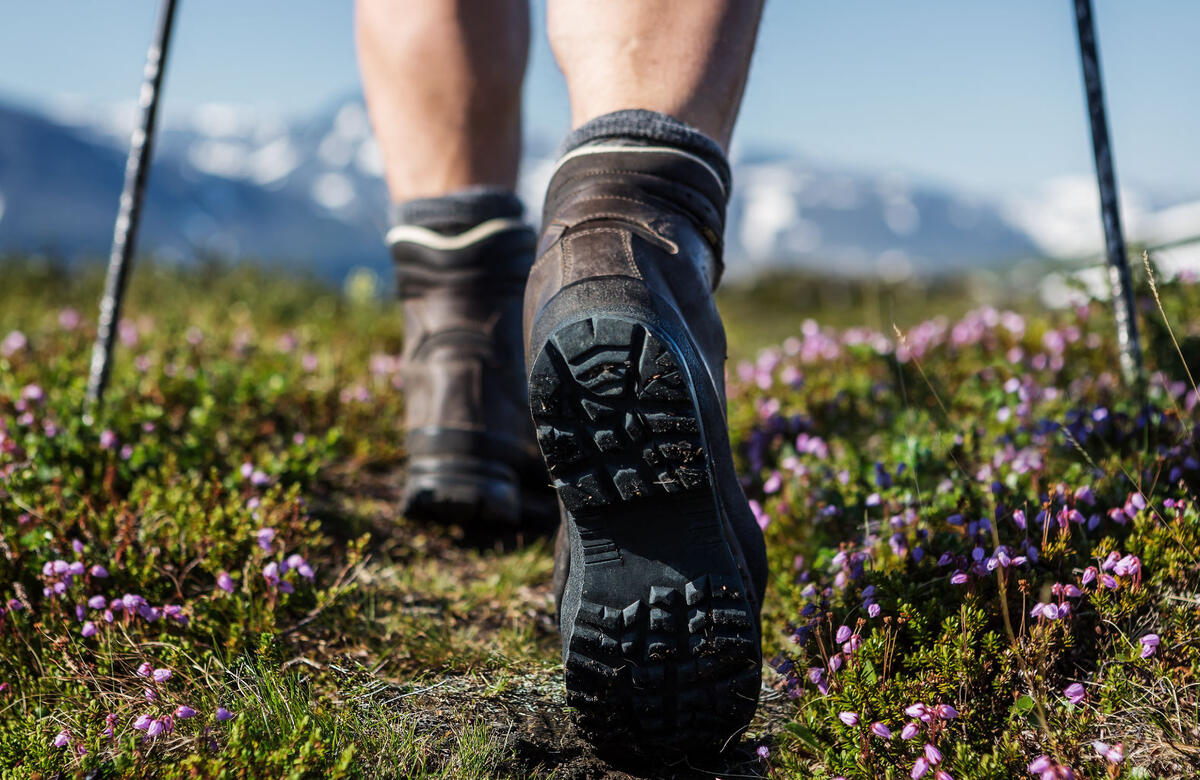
pixel 155 728
pixel 932 754
pixel 849 718
pixel 150 694
pixel 880 730
pixel 760 515
pixel 1108 581
pixel 97 602
pixel 225 582
pixel 919 768
pixel 14 342
pixel 98 571
pixel 1070 591
pixel 259 478
pixel 76 568
pixel 108 440
pixel 915 710
pixel 183 712
pixel 835 662
pixel 264 538
pixel 145 669
pixel 223 714
pixel 873 610
pixel 246 470
pixel 161 675
pixel 88 630
pixel 763 752
pixel 1075 693
pixel 910 730
pixel 958 578
pixel 943 776
pixel 843 633
pixel 1149 644
pixel 143 722
pixel 62 738
pixel 1089 575
pixel 1114 754
pixel 1039 765
pixel 947 712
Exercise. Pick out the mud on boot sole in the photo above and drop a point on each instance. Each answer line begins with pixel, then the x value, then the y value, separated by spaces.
pixel 660 642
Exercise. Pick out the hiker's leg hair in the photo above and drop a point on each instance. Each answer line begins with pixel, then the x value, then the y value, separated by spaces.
pixel 686 58
pixel 442 81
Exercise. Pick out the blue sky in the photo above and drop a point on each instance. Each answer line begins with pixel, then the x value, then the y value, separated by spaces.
pixel 982 95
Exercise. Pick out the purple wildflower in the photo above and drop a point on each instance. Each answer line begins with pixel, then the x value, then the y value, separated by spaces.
pixel 161 675
pixel 143 722
pixel 62 738
pixel 1075 693
pixel 1149 645
pixel 183 712
pixel 264 538
pixel 920 768
pixel 225 582
pixel 932 754
pixel 910 730
pixel 849 718
pixel 88 630
pixel 880 730
pixel 223 714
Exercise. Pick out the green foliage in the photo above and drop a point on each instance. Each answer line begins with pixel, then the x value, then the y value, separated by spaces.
pixel 889 476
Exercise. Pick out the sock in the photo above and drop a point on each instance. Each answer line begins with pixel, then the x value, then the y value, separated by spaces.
pixel 459 211
pixel 650 128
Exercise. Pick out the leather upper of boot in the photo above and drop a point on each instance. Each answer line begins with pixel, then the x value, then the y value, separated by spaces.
pixel 463 368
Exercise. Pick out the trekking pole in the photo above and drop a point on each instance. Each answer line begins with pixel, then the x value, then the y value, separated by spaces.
pixel 137 167
pixel 1118 261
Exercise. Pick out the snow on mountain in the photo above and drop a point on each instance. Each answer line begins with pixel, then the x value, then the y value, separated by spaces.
pixel 229 179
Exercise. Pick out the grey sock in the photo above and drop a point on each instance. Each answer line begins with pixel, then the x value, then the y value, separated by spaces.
pixel 642 127
pixel 458 211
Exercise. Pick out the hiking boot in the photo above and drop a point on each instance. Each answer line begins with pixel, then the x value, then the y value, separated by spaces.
pixel 469 439
pixel 661 565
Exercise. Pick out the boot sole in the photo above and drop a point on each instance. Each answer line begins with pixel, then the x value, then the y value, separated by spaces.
pixel 661 647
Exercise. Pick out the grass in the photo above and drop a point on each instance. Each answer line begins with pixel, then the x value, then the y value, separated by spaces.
pixel 901 481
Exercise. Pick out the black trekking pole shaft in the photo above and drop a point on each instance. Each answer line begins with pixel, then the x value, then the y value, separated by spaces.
pixel 137 168
pixel 1106 177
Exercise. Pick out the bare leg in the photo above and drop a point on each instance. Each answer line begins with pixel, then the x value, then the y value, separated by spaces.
pixel 442 80
pixel 685 58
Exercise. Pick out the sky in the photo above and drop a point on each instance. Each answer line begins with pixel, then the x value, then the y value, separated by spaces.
pixel 984 96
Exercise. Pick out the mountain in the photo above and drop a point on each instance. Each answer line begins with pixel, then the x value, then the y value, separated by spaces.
pixel 308 193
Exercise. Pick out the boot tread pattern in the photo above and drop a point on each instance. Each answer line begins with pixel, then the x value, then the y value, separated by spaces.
pixel 659 659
